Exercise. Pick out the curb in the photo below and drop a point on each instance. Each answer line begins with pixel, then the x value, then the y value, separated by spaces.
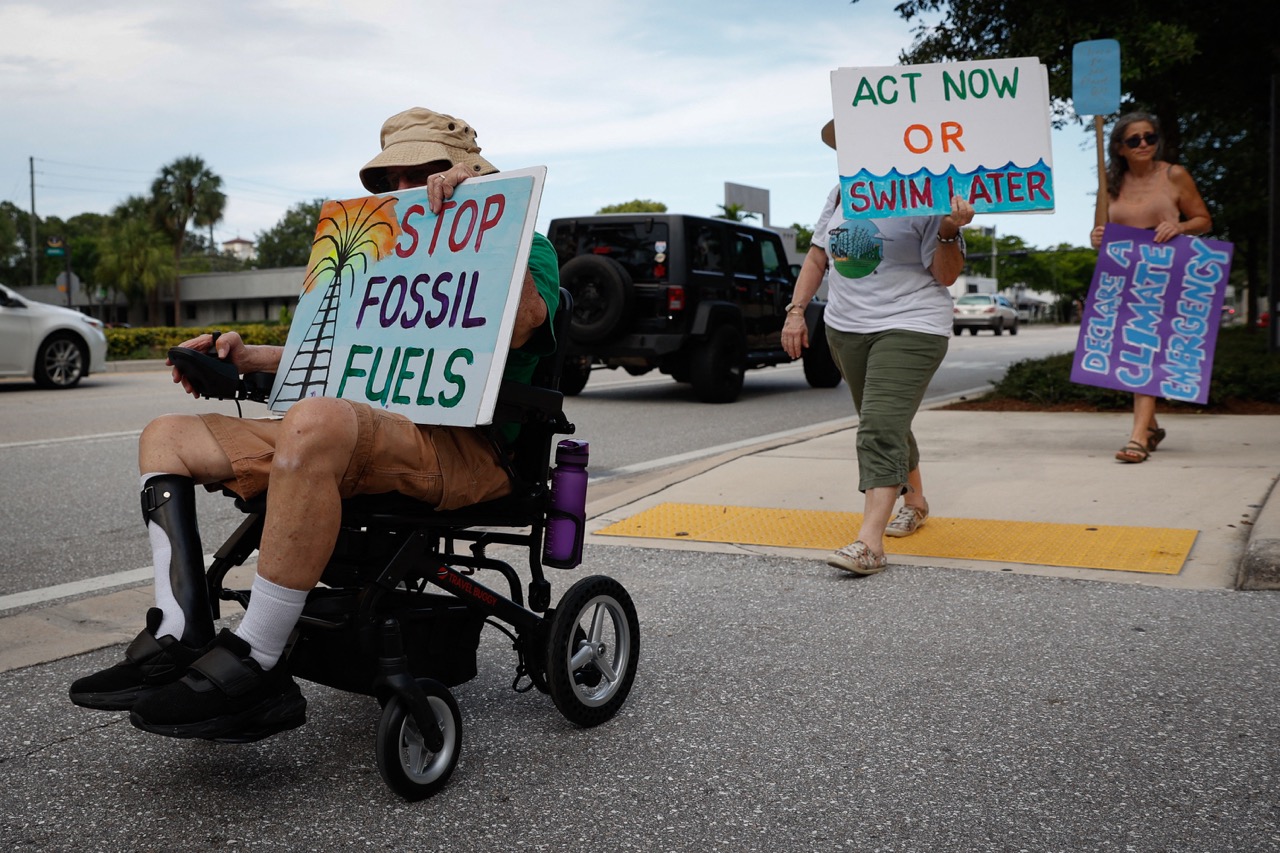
pixel 1260 565
pixel 134 365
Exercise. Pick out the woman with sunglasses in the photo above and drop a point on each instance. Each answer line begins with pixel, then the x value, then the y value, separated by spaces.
pixel 1147 192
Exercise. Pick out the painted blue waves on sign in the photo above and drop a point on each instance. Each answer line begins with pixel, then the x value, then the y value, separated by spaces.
pixel 1007 189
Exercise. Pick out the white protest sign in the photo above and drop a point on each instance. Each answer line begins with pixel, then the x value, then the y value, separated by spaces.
pixel 409 311
pixel 909 137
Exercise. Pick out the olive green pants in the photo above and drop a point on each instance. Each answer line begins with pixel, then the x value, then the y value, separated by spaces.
pixel 887 373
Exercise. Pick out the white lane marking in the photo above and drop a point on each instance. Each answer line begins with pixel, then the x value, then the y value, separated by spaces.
pixel 102 583
pixel 105 582
pixel 66 590
pixel 102 436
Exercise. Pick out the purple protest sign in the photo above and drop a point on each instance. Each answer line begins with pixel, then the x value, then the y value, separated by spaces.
pixel 1150 322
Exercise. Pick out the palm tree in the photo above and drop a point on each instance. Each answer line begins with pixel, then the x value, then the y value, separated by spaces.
pixel 185 191
pixel 734 213
pixel 211 204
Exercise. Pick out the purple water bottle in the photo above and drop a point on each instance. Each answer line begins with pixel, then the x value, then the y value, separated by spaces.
pixel 566 521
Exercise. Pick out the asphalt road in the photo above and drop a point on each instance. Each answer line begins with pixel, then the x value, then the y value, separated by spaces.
pixel 68 464
pixel 778 707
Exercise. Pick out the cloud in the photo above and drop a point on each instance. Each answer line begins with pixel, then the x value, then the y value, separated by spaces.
pixel 284 98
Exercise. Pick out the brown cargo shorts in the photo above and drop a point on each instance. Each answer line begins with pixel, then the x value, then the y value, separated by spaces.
pixel 446 467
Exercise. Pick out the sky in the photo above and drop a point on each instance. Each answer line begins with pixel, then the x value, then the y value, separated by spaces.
pixel 665 100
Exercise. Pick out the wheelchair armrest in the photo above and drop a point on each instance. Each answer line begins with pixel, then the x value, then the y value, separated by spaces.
pixel 524 403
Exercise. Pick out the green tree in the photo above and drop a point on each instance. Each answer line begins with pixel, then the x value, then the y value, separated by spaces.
pixel 639 205
pixel 288 242
pixel 184 192
pixel 804 236
pixel 134 259
pixel 1207 76
pixel 15 269
pixel 734 213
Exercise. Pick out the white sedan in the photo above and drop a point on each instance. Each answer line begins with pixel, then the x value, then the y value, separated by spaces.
pixel 975 311
pixel 56 346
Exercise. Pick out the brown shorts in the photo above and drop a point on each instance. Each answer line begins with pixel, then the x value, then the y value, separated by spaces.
pixel 446 467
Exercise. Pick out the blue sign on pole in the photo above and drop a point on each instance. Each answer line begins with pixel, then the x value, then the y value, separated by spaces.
pixel 1095 77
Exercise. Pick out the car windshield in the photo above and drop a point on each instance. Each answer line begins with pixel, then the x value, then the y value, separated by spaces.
pixel 974 299
pixel 635 245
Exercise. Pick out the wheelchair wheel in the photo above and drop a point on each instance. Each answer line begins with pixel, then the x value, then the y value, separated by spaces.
pixel 407 766
pixel 593 650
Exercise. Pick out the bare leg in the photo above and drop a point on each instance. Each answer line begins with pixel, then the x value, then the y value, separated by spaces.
pixel 877 508
pixel 915 490
pixel 183 445
pixel 304 509
pixel 1144 418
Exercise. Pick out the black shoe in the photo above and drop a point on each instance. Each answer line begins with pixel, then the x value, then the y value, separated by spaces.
pixel 225 696
pixel 149 664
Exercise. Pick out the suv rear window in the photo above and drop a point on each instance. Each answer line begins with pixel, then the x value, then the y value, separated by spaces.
pixel 635 245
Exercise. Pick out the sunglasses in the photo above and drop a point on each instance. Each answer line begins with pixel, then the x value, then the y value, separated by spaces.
pixel 1139 138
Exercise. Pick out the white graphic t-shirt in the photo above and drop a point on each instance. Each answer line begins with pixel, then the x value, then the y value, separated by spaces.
pixel 879 276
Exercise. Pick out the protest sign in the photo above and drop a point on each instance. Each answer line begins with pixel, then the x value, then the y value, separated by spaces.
pixel 412 311
pixel 1150 322
pixel 910 137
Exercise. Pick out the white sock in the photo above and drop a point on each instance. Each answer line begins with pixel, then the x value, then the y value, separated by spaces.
pixel 268 621
pixel 174 621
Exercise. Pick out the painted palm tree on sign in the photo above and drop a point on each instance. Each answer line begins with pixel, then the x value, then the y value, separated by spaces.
pixel 356 232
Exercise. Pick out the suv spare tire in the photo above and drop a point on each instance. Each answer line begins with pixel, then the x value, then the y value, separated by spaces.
pixel 601 289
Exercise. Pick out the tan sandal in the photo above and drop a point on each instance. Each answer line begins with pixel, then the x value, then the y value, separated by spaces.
pixel 1133 452
pixel 908 520
pixel 858 559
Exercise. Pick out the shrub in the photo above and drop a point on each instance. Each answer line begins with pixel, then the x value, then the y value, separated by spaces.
pixel 1243 369
pixel 154 342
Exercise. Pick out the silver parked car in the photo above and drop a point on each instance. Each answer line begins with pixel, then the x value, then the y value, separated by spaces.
pixel 56 346
pixel 975 311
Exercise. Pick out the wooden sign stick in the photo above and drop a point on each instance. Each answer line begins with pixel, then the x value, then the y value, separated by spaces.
pixel 1100 209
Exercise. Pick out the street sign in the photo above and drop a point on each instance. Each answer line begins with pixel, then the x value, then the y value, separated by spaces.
pixel 55 248
pixel 62 282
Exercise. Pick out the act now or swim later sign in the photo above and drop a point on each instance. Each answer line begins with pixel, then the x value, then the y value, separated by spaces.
pixel 412 311
pixel 1150 321
pixel 909 137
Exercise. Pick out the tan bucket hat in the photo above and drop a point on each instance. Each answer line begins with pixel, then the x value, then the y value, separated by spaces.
pixel 829 133
pixel 418 136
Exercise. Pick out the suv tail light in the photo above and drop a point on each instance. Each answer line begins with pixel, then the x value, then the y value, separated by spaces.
pixel 675 299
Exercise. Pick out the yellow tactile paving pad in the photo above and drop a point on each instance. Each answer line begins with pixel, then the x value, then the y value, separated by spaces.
pixel 1087 546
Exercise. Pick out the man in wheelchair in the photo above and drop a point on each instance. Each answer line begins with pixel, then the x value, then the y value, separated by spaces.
pixel 177 677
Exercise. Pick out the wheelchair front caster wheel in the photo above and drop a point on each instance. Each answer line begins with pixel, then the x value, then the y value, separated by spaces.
pixel 407 765
pixel 592 650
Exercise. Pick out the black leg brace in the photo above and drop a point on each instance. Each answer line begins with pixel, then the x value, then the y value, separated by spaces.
pixel 169 501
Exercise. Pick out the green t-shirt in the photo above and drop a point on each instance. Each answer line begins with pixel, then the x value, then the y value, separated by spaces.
pixel 522 362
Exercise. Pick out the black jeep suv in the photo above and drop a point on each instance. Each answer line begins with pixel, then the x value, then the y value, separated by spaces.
pixel 700 299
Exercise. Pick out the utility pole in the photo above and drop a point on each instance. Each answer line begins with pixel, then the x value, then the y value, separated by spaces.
pixel 31 162
pixel 993 254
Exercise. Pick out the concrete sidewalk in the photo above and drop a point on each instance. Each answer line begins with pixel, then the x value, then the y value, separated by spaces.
pixel 1213 474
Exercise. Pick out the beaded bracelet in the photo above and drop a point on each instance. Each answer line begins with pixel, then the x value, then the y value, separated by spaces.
pixel 942 239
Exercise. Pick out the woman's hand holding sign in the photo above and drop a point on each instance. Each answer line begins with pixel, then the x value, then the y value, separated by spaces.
pixel 948 260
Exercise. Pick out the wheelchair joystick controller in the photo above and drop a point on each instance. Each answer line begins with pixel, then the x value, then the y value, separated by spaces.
pixel 565 526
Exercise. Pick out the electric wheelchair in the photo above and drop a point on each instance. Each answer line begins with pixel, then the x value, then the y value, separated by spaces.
pixel 399 610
